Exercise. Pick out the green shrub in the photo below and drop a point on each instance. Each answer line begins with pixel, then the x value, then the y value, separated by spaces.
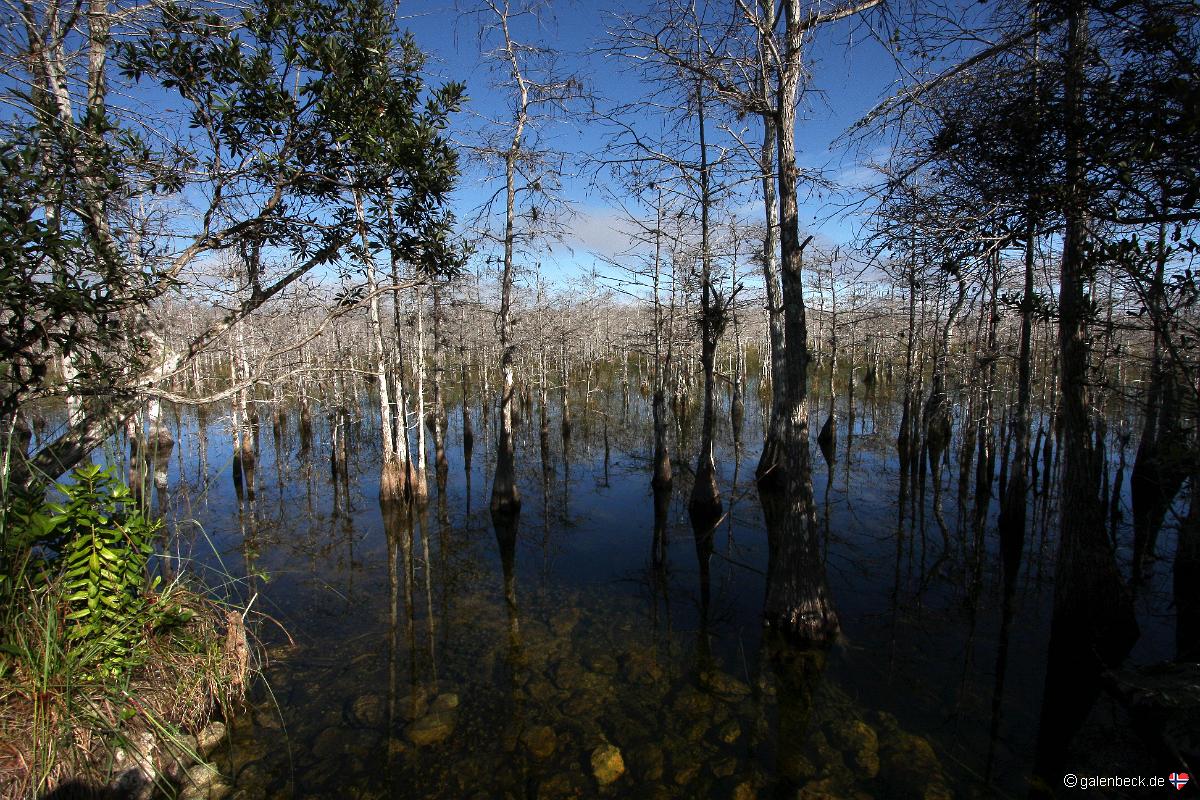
pixel 103 543
pixel 93 651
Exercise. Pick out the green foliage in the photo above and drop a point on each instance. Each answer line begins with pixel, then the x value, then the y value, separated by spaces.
pixel 83 629
pixel 281 110
pixel 107 544
pixel 105 595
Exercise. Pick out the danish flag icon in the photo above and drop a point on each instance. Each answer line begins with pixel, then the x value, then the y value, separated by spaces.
pixel 1179 780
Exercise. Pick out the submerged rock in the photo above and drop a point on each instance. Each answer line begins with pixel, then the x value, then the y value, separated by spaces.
pixel 431 729
pixel 686 772
pixel 540 741
pixel 334 741
pixel 724 684
pixel 197 782
pixel 447 701
pixel 268 719
pixel 219 790
pixel 796 766
pixel 858 742
pixel 251 783
pixel 581 704
pixel 690 701
pixel 647 762
pixel 824 789
pixel 744 791
pixel 607 764
pixel 910 768
pixel 370 710
pixel 209 738
pixel 540 691
pixel 565 620
pixel 603 664
pixel 568 676
pixel 176 756
pixel 557 787
pixel 641 666
pixel 413 705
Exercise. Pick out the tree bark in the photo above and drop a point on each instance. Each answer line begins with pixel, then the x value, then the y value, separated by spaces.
pixel 798 602
pixel 770 463
pixel 505 496
pixel 704 505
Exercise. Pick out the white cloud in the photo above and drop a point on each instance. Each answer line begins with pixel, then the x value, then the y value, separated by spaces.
pixel 599 230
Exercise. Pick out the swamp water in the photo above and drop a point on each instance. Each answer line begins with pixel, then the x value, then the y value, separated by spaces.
pixel 432 654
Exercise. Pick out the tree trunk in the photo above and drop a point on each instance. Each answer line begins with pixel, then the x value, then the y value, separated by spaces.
pixel 704 505
pixel 391 479
pixel 1160 466
pixel 1093 624
pixel 770 463
pixel 506 499
pixel 797 602
pixel 420 486
pixel 1014 503
pixel 441 467
pixel 662 477
pixel 1187 579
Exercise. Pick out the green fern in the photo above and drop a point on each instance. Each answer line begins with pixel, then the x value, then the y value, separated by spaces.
pixel 107 543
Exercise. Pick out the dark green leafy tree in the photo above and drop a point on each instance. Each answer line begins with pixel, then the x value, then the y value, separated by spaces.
pixel 287 109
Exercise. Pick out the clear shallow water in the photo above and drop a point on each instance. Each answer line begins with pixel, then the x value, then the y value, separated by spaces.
pixel 434 656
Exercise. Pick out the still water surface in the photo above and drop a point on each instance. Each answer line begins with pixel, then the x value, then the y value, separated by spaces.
pixel 430 655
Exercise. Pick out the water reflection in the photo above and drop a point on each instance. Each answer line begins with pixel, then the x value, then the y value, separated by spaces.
pixel 496 639
pixel 798 672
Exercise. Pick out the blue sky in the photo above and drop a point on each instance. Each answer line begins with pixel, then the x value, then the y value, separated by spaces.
pixel 851 72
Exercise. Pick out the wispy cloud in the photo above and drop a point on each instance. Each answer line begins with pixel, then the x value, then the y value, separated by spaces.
pixel 600 230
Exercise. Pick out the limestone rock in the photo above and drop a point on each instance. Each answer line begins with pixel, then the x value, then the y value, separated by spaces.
pixel 177 756
pixel 447 701
pixel 607 764
pixel 209 738
pixel 745 791
pixel 370 710
pixel 540 741
pixel 198 780
pixel 724 684
pixel 431 729
pixel 910 768
pixel 858 742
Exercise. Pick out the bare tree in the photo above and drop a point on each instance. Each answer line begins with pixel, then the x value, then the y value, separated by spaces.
pixel 529 73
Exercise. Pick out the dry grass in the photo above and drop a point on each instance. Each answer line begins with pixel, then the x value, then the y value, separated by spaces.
pixel 56 724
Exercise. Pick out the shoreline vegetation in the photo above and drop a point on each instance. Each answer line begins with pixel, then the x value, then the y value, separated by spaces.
pixel 112 682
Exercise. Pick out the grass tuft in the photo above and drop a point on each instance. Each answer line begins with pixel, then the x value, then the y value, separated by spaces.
pixel 101 667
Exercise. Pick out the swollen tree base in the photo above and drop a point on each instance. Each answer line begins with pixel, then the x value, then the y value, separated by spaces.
pixel 393 482
pixel 704 504
pixel 506 499
pixel 798 604
pixel 771 474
